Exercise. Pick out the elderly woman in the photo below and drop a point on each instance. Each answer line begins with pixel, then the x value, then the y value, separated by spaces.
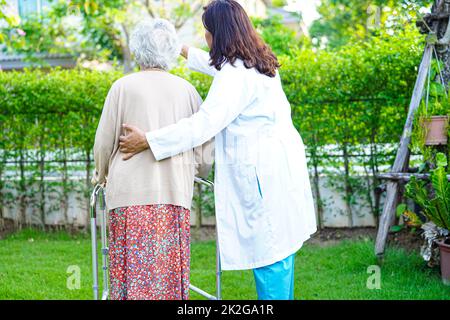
pixel 149 201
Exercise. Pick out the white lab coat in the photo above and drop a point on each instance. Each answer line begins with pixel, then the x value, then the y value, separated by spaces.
pixel 264 204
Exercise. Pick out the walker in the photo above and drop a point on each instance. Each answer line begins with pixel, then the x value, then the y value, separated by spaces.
pixel 98 199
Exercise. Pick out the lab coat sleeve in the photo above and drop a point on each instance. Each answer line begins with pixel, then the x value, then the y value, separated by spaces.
pixel 230 93
pixel 198 60
pixel 104 138
pixel 204 154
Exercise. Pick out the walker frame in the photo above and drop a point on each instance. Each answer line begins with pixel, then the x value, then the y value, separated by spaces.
pixel 98 200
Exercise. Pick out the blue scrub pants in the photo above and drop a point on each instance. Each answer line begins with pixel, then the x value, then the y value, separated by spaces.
pixel 276 281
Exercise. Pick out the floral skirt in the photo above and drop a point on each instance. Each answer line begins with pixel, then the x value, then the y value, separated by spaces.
pixel 149 253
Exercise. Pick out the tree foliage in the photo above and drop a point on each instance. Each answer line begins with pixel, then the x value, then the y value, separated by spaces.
pixel 7 19
pixel 281 38
pixel 92 29
pixel 343 20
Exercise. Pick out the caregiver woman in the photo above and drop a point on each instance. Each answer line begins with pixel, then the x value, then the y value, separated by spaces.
pixel 263 198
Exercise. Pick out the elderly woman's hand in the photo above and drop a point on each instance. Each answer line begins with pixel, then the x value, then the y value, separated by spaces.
pixel 184 51
pixel 94 179
pixel 133 142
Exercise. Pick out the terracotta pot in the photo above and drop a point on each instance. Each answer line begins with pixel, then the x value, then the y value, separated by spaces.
pixel 436 128
pixel 445 262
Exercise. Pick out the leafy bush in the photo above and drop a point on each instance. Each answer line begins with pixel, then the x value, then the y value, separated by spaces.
pixel 353 101
pixel 68 101
pixel 48 122
pixel 435 204
pixel 347 104
pixel 281 38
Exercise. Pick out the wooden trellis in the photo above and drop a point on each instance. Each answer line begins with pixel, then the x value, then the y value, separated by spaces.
pixel 437 26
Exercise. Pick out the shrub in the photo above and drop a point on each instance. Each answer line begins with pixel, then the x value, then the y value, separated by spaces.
pixel 347 105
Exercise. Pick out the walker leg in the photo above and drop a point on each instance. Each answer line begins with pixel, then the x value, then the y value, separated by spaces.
pixel 218 272
pixel 105 251
pixel 94 256
pixel 218 295
pixel 93 211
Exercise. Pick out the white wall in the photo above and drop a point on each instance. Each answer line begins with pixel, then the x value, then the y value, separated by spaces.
pixel 334 210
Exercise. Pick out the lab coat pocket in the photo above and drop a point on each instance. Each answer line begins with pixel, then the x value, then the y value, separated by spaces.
pixel 248 186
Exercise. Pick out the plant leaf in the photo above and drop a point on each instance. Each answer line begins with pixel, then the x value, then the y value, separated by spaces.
pixel 441 160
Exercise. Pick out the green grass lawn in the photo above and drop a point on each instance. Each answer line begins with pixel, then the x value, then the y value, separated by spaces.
pixel 33 265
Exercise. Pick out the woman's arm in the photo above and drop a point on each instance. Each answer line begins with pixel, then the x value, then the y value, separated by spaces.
pixel 198 60
pixel 231 92
pixel 105 138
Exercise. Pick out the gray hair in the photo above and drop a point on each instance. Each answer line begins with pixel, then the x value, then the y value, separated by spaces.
pixel 154 44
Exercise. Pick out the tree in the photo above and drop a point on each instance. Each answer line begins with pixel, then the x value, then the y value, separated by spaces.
pixel 344 20
pixel 95 29
pixel 437 25
pixel 6 18
pixel 108 24
pixel 281 38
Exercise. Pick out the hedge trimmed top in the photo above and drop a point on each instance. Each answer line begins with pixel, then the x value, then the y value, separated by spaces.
pixel 350 95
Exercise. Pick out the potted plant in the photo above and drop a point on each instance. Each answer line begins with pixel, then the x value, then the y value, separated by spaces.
pixel 434 122
pixel 430 130
pixel 432 126
pixel 434 201
pixel 436 130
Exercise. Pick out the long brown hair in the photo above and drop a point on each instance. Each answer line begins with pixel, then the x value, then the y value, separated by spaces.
pixel 234 37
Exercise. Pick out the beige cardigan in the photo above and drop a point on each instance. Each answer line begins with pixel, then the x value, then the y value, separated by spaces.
pixel 149 100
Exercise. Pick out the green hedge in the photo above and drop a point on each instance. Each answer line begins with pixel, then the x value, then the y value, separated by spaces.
pixel 37 104
pixel 48 120
pixel 354 99
pixel 361 88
